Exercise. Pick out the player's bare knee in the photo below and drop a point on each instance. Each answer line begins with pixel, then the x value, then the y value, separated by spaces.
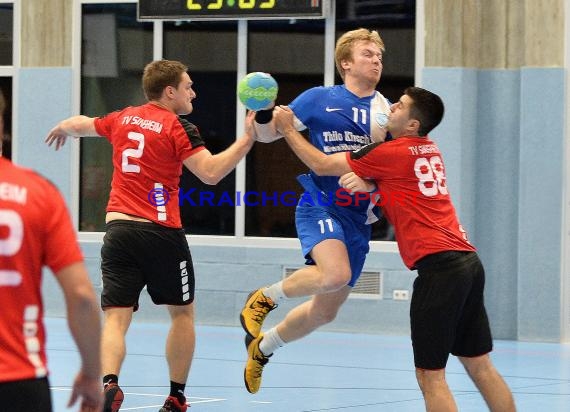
pixel 477 366
pixel 422 382
pixel 421 378
pixel 334 281
pixel 430 379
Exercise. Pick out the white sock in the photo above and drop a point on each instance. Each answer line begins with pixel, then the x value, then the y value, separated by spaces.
pixel 275 292
pixel 271 342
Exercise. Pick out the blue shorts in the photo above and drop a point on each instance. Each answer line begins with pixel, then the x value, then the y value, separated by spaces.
pixel 316 224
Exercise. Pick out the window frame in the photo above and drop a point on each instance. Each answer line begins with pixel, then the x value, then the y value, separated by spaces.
pixel 565 245
pixel 239 238
pixel 11 71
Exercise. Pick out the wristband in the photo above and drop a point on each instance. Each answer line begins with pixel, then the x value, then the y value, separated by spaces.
pixel 264 116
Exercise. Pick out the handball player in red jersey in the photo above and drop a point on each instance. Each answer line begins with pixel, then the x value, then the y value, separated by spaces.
pixel 447 311
pixel 144 244
pixel 36 231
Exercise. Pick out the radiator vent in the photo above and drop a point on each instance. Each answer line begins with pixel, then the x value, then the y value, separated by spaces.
pixel 368 286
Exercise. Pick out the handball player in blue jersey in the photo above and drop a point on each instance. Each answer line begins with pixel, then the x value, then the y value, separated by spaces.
pixel 334 238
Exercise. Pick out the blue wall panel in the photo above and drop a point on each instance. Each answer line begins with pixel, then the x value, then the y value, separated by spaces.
pixel 456 135
pixel 496 193
pixel 540 216
pixel 515 188
pixel 44 98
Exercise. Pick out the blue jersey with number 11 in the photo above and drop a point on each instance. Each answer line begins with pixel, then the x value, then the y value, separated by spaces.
pixel 340 121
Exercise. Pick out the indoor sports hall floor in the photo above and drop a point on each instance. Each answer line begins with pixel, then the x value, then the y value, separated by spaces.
pixel 323 372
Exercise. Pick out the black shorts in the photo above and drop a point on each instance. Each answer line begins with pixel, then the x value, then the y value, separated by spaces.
pixel 447 310
pixel 25 395
pixel 139 254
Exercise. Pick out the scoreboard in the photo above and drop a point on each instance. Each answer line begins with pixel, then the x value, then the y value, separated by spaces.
pixel 230 9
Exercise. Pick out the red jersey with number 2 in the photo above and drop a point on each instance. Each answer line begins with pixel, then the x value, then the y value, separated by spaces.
pixel 410 175
pixel 150 144
pixel 35 230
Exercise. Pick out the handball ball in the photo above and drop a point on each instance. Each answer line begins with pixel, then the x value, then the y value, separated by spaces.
pixel 257 90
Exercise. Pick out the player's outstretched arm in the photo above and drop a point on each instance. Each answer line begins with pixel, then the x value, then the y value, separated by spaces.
pixel 85 327
pixel 320 163
pixel 75 126
pixel 210 168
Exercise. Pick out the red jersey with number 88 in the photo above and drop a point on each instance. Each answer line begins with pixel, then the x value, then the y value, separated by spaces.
pixel 35 230
pixel 149 145
pixel 410 175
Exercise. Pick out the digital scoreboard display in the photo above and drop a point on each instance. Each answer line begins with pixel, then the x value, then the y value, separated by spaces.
pixel 230 9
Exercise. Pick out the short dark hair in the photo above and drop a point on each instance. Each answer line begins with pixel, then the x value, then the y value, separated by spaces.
pixel 427 108
pixel 159 74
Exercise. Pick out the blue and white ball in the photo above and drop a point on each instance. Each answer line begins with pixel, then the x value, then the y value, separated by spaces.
pixel 257 90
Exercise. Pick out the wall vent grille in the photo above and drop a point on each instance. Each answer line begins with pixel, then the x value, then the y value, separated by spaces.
pixel 369 285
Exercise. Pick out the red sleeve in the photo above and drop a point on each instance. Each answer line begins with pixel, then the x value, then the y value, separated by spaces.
pixel 187 139
pixel 104 125
pixel 371 162
pixel 61 247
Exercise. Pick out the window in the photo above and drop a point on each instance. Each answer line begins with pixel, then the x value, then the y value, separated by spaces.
pixel 115 48
pixel 273 46
pixel 6 70
pixel 6 31
pixel 395 21
pixel 6 121
pixel 210 51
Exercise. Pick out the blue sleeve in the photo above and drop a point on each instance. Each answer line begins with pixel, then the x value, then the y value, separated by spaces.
pixel 304 105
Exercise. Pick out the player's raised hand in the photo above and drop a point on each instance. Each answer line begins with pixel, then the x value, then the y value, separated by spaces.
pixel 283 117
pixel 249 128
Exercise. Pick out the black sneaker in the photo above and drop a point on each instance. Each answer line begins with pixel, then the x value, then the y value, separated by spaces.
pixel 113 397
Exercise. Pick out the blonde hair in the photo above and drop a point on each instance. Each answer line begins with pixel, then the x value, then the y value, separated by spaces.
pixel 345 44
pixel 159 74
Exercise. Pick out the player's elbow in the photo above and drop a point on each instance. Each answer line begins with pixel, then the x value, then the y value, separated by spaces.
pixel 206 167
pixel 319 169
pixel 211 175
pixel 211 178
pixel 325 168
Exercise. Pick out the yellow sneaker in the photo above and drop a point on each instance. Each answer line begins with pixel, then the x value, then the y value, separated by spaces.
pixel 256 308
pixel 256 360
